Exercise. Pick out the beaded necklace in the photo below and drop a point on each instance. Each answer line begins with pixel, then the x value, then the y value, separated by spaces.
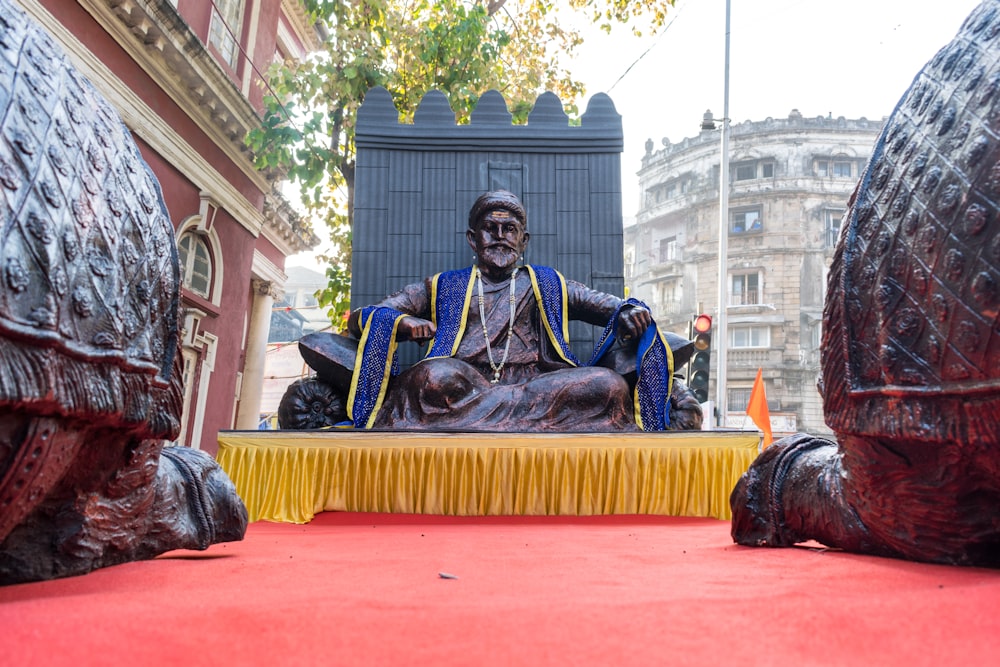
pixel 510 328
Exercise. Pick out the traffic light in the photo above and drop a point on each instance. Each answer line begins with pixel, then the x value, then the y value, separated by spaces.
pixel 698 372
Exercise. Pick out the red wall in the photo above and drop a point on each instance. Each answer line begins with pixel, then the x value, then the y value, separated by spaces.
pixel 267 38
pixel 182 200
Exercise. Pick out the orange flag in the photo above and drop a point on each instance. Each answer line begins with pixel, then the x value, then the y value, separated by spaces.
pixel 757 408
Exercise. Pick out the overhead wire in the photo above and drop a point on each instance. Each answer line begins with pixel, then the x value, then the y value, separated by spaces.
pixel 246 57
pixel 655 43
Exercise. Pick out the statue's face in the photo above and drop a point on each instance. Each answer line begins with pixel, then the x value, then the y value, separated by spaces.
pixel 499 240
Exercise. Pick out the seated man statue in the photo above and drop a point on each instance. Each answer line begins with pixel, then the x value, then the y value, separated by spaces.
pixel 499 355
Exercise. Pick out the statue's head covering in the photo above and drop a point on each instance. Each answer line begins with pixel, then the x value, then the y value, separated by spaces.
pixel 497 200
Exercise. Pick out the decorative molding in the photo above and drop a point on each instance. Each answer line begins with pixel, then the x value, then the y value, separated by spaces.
pixel 267 278
pixel 206 344
pixel 192 323
pixel 267 288
pixel 265 269
pixel 299 22
pixel 163 45
pixel 207 211
pixel 193 78
pixel 285 228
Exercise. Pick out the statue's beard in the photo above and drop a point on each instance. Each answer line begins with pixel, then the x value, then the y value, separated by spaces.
pixel 499 256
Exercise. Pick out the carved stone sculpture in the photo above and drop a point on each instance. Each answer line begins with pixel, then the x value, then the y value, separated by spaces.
pixel 499 357
pixel 911 345
pixel 90 381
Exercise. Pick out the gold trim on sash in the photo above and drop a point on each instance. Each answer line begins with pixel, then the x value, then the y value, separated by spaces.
pixel 384 385
pixel 545 319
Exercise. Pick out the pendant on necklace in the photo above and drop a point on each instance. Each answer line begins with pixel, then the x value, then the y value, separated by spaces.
pixel 510 325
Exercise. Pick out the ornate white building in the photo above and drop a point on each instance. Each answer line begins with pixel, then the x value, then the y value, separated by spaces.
pixel 790 180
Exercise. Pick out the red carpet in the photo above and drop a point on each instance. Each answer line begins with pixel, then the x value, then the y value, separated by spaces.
pixel 364 589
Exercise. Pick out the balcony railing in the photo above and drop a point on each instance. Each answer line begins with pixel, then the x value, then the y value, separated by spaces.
pixel 745 298
pixel 752 357
pixel 668 253
pixel 668 308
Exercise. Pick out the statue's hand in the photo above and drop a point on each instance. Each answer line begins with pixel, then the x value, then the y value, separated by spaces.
pixel 415 329
pixel 633 322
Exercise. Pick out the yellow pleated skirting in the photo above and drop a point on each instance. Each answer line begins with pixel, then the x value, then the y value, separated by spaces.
pixel 290 476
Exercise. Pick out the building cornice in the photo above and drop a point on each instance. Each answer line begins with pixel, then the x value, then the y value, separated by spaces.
pixel 285 228
pixel 814 130
pixel 267 272
pixel 300 22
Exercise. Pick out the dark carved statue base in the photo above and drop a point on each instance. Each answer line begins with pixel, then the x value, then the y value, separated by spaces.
pixel 90 377
pixel 865 496
pixel 911 344
pixel 155 499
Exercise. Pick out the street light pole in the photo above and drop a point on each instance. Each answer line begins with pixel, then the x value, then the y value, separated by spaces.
pixel 721 403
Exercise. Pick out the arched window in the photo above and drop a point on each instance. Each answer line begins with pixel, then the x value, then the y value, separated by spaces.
pixel 196 264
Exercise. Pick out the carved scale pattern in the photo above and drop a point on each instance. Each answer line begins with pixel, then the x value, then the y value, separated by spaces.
pixel 87 257
pixel 922 258
pixel 89 282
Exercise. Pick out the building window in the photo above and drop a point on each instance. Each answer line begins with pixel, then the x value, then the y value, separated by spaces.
pixel 672 188
pixel 744 289
pixel 196 264
pixel 749 336
pixel 743 221
pixel 745 171
pixel 739 397
pixel 668 249
pixel 670 292
pixel 837 168
pixel 667 298
pixel 224 30
pixel 306 299
pixel 831 230
pixel 752 169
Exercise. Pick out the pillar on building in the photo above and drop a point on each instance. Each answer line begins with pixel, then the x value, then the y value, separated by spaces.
pixel 264 295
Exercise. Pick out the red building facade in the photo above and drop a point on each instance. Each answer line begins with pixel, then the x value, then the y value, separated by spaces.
pixel 186 77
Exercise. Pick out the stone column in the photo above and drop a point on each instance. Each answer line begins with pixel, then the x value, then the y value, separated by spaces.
pixel 264 295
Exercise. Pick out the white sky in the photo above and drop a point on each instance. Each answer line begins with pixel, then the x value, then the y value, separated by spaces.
pixel 852 58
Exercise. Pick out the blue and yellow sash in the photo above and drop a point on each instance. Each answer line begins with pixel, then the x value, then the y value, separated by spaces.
pixel 654 367
pixel 374 363
pixel 451 294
